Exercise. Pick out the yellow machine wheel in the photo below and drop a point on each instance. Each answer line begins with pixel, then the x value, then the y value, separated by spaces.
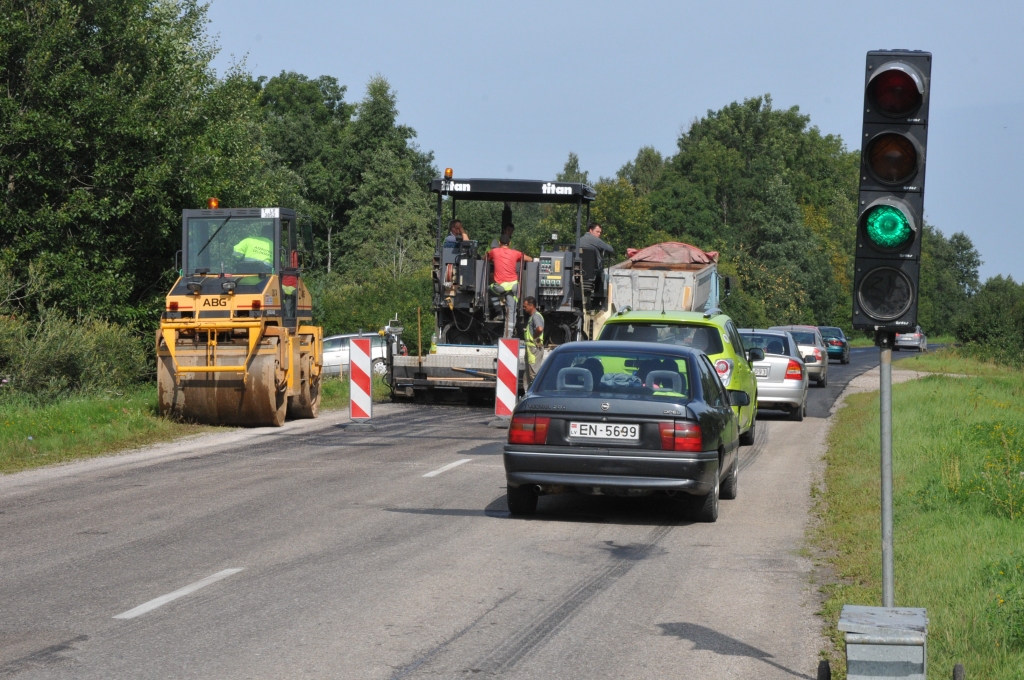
pixel 305 404
pixel 223 398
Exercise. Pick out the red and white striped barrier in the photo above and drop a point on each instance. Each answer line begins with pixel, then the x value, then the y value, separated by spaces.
pixel 359 364
pixel 508 377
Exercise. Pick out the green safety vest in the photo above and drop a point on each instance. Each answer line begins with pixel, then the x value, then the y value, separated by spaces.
pixel 531 342
pixel 256 248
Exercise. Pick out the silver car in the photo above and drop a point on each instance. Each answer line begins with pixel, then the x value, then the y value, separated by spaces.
pixel 813 350
pixel 916 340
pixel 781 376
pixel 336 353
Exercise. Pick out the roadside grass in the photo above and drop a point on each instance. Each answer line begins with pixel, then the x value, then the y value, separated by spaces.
pixel 82 427
pixel 949 361
pixel 958 446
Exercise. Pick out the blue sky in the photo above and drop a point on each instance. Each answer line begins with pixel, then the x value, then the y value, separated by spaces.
pixel 509 89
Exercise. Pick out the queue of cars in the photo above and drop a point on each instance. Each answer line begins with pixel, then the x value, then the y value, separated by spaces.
pixel 660 403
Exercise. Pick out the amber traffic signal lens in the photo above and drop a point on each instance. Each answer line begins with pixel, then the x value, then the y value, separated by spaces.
pixel 894 93
pixel 885 294
pixel 892 158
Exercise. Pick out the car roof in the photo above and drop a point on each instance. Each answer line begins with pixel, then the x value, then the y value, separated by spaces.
pixel 627 346
pixel 669 317
pixel 769 331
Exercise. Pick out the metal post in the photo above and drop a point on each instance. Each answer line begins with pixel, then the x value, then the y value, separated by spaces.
pixel 885 342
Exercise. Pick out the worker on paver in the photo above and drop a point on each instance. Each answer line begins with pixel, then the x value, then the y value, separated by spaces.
pixel 534 335
pixel 506 279
pixel 592 239
pixel 456 233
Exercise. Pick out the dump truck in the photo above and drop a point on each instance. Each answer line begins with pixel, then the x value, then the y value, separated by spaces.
pixel 468 318
pixel 665 277
pixel 236 344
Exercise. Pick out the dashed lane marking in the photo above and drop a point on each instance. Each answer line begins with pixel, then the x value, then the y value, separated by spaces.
pixel 446 468
pixel 180 592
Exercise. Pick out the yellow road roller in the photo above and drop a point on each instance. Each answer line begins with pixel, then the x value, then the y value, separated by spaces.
pixel 236 344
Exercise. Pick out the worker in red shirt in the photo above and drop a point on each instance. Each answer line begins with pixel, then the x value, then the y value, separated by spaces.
pixel 506 278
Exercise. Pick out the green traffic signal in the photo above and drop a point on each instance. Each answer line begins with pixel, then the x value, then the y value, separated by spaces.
pixel 887 227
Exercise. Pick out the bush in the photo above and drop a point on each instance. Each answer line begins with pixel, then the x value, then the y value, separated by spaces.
pixel 55 356
pixel 993 325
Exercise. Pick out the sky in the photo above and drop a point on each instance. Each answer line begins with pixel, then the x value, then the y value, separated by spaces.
pixel 509 89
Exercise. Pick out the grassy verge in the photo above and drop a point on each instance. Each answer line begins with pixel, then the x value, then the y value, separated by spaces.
pixel 861 341
pixel 82 427
pixel 948 361
pixel 958 446
pixel 334 392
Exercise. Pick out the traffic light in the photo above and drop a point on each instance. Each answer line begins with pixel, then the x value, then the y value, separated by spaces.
pixel 891 204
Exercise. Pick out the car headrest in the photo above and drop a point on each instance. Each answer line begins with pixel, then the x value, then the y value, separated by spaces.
pixel 666 381
pixel 644 334
pixel 775 347
pixel 574 378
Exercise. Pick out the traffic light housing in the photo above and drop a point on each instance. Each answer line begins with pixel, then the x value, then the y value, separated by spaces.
pixel 890 220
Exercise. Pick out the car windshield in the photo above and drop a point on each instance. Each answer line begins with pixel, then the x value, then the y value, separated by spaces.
pixel 627 374
pixel 705 338
pixel 827 332
pixel 233 245
pixel 769 342
pixel 803 337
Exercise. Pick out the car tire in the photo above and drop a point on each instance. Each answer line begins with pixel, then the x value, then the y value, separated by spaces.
pixel 747 438
pixel 845 360
pixel 823 380
pixel 521 500
pixel 705 508
pixel 797 413
pixel 379 367
pixel 731 486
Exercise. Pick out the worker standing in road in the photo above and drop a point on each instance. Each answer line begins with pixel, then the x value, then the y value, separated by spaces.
pixel 506 279
pixel 534 333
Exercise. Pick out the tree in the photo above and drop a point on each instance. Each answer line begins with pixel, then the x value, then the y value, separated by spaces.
pixel 112 121
pixel 949 277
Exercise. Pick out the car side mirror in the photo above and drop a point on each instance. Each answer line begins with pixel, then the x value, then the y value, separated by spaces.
pixel 755 354
pixel 739 398
pixel 809 359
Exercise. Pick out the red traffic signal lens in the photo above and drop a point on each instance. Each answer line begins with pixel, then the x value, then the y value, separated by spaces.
pixel 895 93
pixel 892 158
pixel 885 294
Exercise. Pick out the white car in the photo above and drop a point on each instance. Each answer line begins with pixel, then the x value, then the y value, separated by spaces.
pixel 336 353
pixel 916 340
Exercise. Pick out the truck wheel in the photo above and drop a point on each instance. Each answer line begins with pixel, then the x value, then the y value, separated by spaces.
pixel 521 500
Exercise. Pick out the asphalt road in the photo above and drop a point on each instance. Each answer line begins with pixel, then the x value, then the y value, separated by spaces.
pixel 310 551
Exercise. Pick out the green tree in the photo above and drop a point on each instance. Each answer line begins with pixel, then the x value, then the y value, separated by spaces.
pixel 949 277
pixel 111 121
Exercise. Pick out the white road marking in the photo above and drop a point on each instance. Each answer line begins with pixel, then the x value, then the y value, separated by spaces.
pixel 446 468
pixel 181 592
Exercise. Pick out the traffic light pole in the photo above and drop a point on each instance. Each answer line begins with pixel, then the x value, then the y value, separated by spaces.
pixel 885 342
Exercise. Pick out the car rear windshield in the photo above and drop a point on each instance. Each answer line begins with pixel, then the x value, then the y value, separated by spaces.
pixel 803 337
pixel 615 374
pixel 705 338
pixel 827 332
pixel 769 342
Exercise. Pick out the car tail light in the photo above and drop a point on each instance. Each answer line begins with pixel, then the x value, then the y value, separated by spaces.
pixel 835 342
pixel 724 368
pixel 681 435
pixel 172 306
pixel 794 371
pixel 817 354
pixel 528 430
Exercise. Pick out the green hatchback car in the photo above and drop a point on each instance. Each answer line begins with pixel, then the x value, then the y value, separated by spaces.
pixel 715 334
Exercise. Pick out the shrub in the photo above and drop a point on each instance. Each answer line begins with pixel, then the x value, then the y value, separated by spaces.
pixel 993 325
pixel 55 356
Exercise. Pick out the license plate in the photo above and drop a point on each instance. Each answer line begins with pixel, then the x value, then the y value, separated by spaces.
pixel 604 431
pixel 761 371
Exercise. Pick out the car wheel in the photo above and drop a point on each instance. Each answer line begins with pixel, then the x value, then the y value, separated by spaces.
pixel 521 500
pixel 379 367
pixel 823 381
pixel 731 485
pixel 747 438
pixel 797 413
pixel 705 508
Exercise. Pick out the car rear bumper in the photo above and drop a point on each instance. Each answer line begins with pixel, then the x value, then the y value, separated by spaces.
pixel 771 395
pixel 694 473
pixel 839 352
